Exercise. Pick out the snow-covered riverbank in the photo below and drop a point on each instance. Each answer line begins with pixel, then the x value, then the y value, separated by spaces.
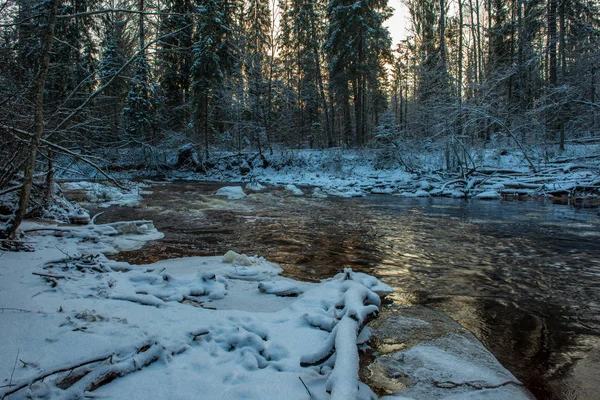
pixel 75 322
pixel 227 327
pixel 486 173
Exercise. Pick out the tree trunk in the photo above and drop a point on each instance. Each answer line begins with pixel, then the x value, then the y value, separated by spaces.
pixel 38 120
pixel 552 42
pixel 442 25
pixel 49 180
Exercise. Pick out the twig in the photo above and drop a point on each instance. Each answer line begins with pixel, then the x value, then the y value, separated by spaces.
pixel 93 220
pixel 14 367
pixel 49 275
pixel 17 309
pixel 306 387
pixel 53 372
pixel 65 253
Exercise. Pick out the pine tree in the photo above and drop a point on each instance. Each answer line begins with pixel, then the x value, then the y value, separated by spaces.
pixel 139 104
pixel 212 63
pixel 174 59
pixel 357 42
pixel 116 45
pixel 256 25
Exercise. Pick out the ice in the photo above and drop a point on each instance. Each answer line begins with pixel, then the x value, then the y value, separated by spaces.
pixel 105 195
pixel 295 190
pixel 489 195
pixel 255 186
pixel 231 192
pixel 237 259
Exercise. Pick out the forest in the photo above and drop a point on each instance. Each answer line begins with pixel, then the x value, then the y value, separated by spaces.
pixel 88 79
pixel 280 199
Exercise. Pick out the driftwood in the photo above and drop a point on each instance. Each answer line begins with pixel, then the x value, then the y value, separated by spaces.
pixel 353 310
pixel 16 387
pixel 110 367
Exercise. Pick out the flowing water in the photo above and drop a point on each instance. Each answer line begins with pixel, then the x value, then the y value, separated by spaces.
pixel 523 276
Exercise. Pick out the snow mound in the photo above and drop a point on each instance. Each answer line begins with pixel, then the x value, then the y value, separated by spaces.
pixel 489 195
pixel 280 288
pixel 231 192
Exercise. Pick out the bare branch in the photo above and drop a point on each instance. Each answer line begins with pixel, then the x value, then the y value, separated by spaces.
pixel 68 152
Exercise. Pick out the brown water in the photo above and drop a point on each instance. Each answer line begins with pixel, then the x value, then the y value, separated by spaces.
pixel 523 276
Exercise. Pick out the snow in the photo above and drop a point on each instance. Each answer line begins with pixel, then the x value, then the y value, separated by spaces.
pixel 295 190
pixel 452 367
pixel 105 196
pixel 89 325
pixel 351 173
pixel 255 186
pixel 231 192
pixel 489 195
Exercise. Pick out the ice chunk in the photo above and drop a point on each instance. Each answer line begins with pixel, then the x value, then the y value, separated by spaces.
pixel 255 186
pixel 489 195
pixel 231 257
pixel 231 192
pixel 296 191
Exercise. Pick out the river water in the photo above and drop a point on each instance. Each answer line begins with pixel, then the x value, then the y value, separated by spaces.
pixel 523 276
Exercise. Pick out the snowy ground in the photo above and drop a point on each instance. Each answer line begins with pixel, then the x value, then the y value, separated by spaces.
pixel 493 174
pixel 75 322
pixel 486 173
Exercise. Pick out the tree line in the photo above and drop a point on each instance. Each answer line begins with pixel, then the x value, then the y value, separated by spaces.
pixel 475 69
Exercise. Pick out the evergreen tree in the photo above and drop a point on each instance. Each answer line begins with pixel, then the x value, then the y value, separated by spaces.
pixel 212 63
pixel 257 21
pixel 139 104
pixel 174 59
pixel 357 42
pixel 117 46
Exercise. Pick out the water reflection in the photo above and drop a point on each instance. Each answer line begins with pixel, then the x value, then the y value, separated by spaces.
pixel 523 276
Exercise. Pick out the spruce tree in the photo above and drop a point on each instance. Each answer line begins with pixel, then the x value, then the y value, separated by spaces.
pixel 174 59
pixel 212 63
pixel 357 42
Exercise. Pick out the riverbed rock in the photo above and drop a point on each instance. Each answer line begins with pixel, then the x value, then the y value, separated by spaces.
pixel 426 355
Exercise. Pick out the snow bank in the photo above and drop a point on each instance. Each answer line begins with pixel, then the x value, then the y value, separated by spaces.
pixel 351 173
pixel 85 325
pixel 489 195
pixel 105 195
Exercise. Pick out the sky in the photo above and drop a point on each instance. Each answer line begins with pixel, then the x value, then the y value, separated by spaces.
pixel 398 23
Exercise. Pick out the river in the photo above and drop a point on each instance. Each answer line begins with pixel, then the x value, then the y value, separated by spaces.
pixel 523 276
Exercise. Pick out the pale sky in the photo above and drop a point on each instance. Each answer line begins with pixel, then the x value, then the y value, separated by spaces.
pixel 398 23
